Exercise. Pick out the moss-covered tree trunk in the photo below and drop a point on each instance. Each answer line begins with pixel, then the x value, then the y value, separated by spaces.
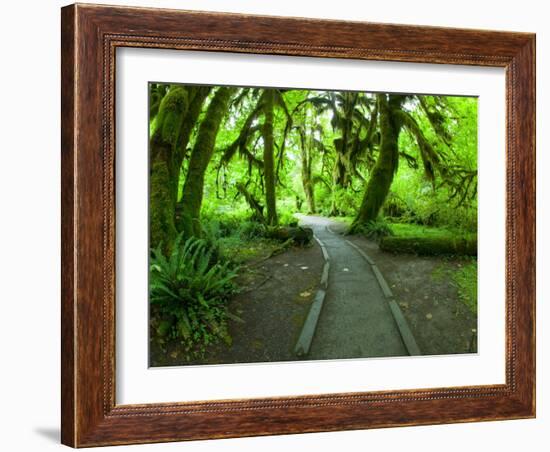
pixel 339 176
pixel 162 209
pixel 307 182
pixel 268 157
pixel 383 171
pixel 172 110
pixel 340 172
pixel 201 155
pixel 308 189
pixel 197 96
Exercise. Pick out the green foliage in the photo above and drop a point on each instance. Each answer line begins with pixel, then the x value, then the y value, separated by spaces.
pixel 463 276
pixel 465 279
pixel 188 291
pixel 413 200
pixel 346 200
pixel 234 236
pixel 232 225
pixel 375 230
pixel 416 199
pixel 415 230
pixel 251 229
pixel 287 218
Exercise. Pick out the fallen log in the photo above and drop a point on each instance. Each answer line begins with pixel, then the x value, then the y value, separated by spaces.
pixel 300 236
pixel 430 246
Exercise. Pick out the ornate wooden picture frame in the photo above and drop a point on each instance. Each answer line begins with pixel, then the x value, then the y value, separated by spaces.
pixel 90 37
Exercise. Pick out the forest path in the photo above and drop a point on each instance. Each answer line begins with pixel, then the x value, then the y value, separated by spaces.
pixel 356 320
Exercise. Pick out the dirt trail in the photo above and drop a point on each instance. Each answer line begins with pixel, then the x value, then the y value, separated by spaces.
pixel 356 320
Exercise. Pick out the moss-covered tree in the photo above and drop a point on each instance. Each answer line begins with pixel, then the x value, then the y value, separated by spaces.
pixel 394 116
pixel 307 179
pixel 197 96
pixel 193 187
pixel 382 174
pixel 265 103
pixel 268 157
pixel 350 122
pixel 308 146
pixel 163 169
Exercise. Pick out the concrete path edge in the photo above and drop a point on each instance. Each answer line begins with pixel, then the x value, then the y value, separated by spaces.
pixel 402 325
pixel 308 330
pixel 310 325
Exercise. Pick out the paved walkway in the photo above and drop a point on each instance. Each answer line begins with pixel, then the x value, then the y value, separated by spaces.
pixel 356 320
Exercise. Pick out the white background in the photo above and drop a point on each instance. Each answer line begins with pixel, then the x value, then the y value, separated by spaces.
pixel 29 390
pixel 138 384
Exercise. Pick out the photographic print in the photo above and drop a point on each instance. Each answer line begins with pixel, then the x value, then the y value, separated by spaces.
pixel 249 209
pixel 300 224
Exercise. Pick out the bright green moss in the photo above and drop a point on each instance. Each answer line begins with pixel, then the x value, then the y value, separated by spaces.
pixel 171 112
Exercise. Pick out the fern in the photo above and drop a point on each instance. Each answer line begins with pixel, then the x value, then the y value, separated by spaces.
pixel 375 230
pixel 188 291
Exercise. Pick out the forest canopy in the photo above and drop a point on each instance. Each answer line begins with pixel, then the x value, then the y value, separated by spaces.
pixel 266 153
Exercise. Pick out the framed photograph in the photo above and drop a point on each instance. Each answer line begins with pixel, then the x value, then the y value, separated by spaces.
pixel 281 225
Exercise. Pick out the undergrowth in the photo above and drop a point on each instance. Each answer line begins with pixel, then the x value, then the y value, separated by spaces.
pixel 188 293
pixel 463 276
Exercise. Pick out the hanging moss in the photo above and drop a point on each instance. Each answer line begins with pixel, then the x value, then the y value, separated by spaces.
pixel 430 158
